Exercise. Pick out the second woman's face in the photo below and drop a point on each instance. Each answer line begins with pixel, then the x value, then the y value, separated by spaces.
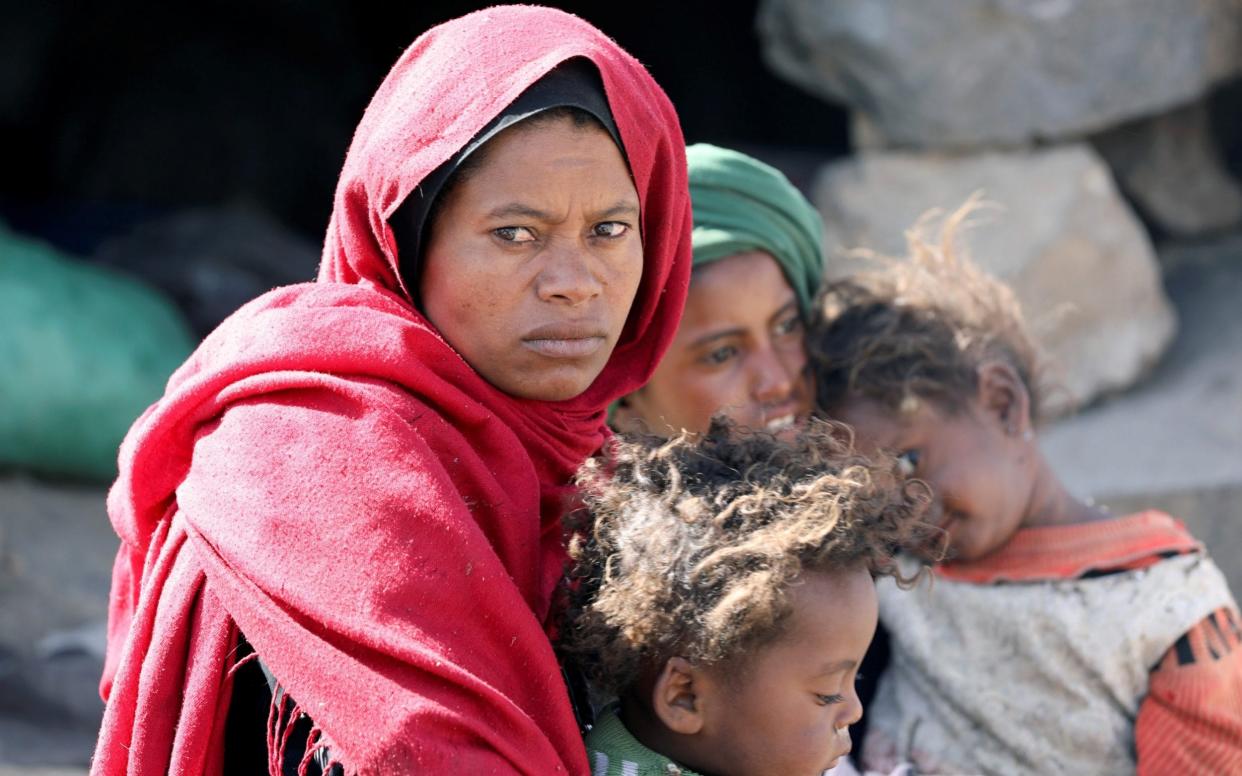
pixel 740 351
pixel 534 259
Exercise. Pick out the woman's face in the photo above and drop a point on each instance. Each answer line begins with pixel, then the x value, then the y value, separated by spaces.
pixel 739 351
pixel 535 257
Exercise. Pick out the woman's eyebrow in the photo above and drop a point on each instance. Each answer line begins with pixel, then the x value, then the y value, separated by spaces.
pixel 518 209
pixel 715 335
pixel 623 207
pixel 785 308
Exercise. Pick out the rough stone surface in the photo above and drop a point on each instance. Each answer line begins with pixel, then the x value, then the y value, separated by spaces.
pixel 1175 442
pixel 213 260
pixel 1062 236
pixel 56 552
pixel 1171 167
pixel 1002 72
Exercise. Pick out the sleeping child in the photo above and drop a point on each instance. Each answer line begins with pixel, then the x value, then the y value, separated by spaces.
pixel 1055 638
pixel 722 590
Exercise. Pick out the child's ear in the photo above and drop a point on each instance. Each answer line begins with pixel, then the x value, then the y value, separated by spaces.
pixel 676 697
pixel 1004 396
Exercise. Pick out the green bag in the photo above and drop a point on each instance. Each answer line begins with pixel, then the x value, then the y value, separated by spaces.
pixel 83 351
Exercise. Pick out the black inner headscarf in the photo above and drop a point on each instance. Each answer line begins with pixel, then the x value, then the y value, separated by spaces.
pixel 575 83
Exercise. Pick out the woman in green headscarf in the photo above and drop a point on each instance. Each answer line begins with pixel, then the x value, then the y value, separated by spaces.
pixel 739 351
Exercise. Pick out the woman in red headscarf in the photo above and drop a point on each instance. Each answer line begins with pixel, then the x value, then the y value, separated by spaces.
pixel 361 479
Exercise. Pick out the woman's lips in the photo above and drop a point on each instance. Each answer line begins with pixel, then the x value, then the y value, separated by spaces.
pixel 778 424
pixel 565 340
pixel 778 418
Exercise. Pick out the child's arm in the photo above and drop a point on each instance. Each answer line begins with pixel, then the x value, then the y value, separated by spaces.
pixel 1191 719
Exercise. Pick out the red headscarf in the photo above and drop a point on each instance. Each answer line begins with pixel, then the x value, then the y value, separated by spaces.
pixel 328 476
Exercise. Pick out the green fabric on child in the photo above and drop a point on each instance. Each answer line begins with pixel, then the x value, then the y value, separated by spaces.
pixel 613 751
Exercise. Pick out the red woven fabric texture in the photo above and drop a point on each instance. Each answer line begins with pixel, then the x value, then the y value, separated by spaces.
pixel 328 475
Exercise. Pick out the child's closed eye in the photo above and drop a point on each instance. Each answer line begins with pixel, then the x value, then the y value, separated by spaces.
pixel 828 700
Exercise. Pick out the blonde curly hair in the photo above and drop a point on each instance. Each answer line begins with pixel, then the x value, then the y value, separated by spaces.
pixel 688 547
pixel 920 328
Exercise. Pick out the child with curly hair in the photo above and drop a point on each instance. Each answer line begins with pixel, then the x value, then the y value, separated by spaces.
pixel 722 589
pixel 1055 638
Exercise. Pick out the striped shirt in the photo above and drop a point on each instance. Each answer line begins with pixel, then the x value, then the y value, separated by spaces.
pixel 613 751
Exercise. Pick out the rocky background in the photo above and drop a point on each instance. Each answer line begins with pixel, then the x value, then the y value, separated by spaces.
pixel 194 149
pixel 1105 132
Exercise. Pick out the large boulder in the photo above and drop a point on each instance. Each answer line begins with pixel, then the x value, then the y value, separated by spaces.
pixel 1062 236
pixel 1002 72
pixel 1172 168
pixel 1176 441
pixel 212 260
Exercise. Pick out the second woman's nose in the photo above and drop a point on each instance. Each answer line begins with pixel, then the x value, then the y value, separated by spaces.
pixel 771 379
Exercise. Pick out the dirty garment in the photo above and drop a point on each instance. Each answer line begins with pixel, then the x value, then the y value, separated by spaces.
pixel 328 426
pixel 1040 657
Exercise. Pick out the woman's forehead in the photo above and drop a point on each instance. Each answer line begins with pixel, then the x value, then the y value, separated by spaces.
pixel 539 172
pixel 741 287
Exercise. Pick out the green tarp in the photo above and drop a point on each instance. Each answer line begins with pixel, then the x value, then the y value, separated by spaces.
pixel 83 351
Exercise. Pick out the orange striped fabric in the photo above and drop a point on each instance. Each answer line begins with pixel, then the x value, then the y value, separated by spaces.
pixel 1191 720
pixel 1069 551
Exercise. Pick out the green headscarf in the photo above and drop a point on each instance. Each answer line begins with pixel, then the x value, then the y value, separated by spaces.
pixel 741 204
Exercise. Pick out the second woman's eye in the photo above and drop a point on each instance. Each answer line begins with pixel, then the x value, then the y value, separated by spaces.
pixel 610 229
pixel 719 355
pixel 514 234
pixel 790 325
pixel 908 462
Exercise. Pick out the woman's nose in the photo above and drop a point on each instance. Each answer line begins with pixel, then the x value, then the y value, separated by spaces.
pixel 772 378
pixel 567 276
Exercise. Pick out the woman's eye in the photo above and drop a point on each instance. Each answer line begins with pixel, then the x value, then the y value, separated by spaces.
pixel 514 234
pixel 908 462
pixel 791 325
pixel 610 229
pixel 828 700
pixel 720 355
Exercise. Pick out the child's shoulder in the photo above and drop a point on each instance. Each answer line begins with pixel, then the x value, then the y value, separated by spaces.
pixel 1063 552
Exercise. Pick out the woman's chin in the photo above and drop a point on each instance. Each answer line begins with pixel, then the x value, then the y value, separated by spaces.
pixel 550 387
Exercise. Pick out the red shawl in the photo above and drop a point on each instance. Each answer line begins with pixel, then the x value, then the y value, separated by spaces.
pixel 328 476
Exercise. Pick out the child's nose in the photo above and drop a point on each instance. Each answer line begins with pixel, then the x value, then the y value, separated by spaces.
pixel 852 712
